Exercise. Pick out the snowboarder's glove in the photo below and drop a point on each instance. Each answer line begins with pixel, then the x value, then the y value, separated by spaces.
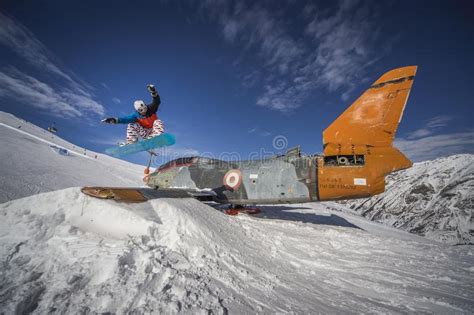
pixel 110 120
pixel 152 90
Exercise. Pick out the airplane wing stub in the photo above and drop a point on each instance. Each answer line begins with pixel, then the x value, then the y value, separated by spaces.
pixel 133 194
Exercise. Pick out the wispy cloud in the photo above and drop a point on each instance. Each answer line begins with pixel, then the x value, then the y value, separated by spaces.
pixel 258 131
pixel 430 127
pixel 346 40
pixel 438 121
pixel 332 53
pixel 105 86
pixel 429 141
pixel 251 79
pixel 60 93
pixel 431 147
pixel 24 43
pixel 116 100
pixel 28 90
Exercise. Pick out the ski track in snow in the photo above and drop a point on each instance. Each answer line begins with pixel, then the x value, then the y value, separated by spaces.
pixel 43 140
pixel 64 252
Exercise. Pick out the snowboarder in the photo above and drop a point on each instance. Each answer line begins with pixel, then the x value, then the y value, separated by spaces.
pixel 143 122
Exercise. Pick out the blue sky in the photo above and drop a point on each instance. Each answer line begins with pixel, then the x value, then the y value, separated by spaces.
pixel 233 75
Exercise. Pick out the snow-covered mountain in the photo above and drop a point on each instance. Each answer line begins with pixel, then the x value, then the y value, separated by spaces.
pixel 433 198
pixel 64 252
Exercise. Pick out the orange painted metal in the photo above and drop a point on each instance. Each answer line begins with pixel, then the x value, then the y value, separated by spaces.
pixel 367 128
pixel 116 193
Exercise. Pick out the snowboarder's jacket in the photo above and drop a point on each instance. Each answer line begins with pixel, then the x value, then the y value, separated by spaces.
pixel 146 120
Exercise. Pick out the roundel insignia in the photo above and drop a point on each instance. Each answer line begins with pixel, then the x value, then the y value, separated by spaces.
pixel 233 179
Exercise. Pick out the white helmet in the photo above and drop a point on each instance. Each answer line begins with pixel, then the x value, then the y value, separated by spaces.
pixel 140 106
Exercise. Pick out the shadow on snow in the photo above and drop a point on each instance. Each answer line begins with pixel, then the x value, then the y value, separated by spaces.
pixel 290 214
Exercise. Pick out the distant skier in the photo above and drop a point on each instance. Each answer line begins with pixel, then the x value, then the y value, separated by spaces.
pixel 143 122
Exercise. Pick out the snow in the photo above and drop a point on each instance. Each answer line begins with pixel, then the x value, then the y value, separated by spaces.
pixel 29 165
pixel 433 198
pixel 65 252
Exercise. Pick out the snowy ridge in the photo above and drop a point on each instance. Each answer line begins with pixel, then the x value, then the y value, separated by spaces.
pixel 433 198
pixel 30 163
pixel 65 252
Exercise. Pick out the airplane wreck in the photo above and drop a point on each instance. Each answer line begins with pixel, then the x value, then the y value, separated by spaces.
pixel 358 154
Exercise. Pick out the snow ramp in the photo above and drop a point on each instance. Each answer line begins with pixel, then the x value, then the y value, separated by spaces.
pixel 65 252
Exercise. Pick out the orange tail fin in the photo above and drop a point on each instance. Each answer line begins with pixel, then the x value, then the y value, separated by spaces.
pixel 372 120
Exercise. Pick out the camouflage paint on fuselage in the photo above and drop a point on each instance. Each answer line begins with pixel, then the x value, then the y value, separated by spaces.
pixel 286 179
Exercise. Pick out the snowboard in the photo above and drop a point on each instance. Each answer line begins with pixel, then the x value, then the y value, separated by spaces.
pixel 162 140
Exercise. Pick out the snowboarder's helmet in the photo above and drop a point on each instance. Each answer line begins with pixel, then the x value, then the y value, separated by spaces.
pixel 140 106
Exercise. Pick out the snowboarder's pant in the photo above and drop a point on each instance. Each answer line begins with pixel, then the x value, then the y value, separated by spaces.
pixel 134 131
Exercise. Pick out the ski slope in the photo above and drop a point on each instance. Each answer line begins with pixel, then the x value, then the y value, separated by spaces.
pixel 30 163
pixel 64 252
